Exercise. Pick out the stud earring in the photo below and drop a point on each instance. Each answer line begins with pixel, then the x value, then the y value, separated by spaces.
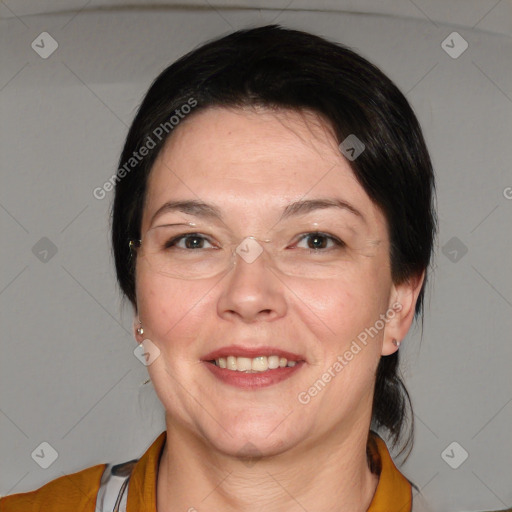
pixel 140 330
pixel 396 343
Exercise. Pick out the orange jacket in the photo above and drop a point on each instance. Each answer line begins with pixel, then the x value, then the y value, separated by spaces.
pixel 77 492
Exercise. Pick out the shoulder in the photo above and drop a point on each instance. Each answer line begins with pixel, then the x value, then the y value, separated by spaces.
pixel 75 492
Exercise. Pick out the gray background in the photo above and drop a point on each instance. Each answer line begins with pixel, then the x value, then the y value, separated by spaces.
pixel 68 374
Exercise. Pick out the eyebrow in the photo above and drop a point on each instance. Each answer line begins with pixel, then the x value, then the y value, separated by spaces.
pixel 210 211
pixel 306 206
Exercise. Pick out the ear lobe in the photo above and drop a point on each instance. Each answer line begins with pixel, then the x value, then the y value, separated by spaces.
pixel 138 331
pixel 401 310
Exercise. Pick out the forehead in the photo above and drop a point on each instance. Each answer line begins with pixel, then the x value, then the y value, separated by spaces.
pixel 258 141
pixel 253 162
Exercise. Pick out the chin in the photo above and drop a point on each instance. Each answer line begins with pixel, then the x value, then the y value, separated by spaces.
pixel 253 439
pixel 255 448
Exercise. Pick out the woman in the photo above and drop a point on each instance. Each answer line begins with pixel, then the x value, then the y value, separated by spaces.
pixel 272 227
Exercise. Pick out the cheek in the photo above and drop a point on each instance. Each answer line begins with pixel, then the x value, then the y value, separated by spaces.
pixel 335 313
pixel 347 302
pixel 171 310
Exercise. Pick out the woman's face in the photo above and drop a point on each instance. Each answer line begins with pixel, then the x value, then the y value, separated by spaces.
pixel 250 165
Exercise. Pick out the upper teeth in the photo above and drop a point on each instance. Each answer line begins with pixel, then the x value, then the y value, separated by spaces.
pixel 256 364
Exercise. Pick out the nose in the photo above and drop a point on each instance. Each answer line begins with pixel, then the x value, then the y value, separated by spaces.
pixel 251 290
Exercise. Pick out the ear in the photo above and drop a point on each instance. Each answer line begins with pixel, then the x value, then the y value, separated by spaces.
pixel 136 325
pixel 402 304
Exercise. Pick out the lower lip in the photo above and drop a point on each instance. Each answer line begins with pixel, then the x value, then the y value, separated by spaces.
pixel 253 380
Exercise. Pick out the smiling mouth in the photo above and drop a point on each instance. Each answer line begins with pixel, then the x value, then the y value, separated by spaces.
pixel 257 364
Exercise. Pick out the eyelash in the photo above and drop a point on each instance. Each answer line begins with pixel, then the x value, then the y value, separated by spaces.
pixel 339 243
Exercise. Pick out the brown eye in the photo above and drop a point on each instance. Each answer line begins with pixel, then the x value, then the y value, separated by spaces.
pixel 317 241
pixel 320 241
pixel 191 241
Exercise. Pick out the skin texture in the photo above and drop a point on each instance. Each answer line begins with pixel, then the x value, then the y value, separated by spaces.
pixel 251 163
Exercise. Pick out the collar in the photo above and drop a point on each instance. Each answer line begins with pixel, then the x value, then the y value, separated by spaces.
pixel 393 493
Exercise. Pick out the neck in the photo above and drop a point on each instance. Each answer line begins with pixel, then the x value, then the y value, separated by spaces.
pixel 333 475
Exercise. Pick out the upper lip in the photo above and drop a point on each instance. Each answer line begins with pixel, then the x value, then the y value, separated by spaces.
pixel 251 352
